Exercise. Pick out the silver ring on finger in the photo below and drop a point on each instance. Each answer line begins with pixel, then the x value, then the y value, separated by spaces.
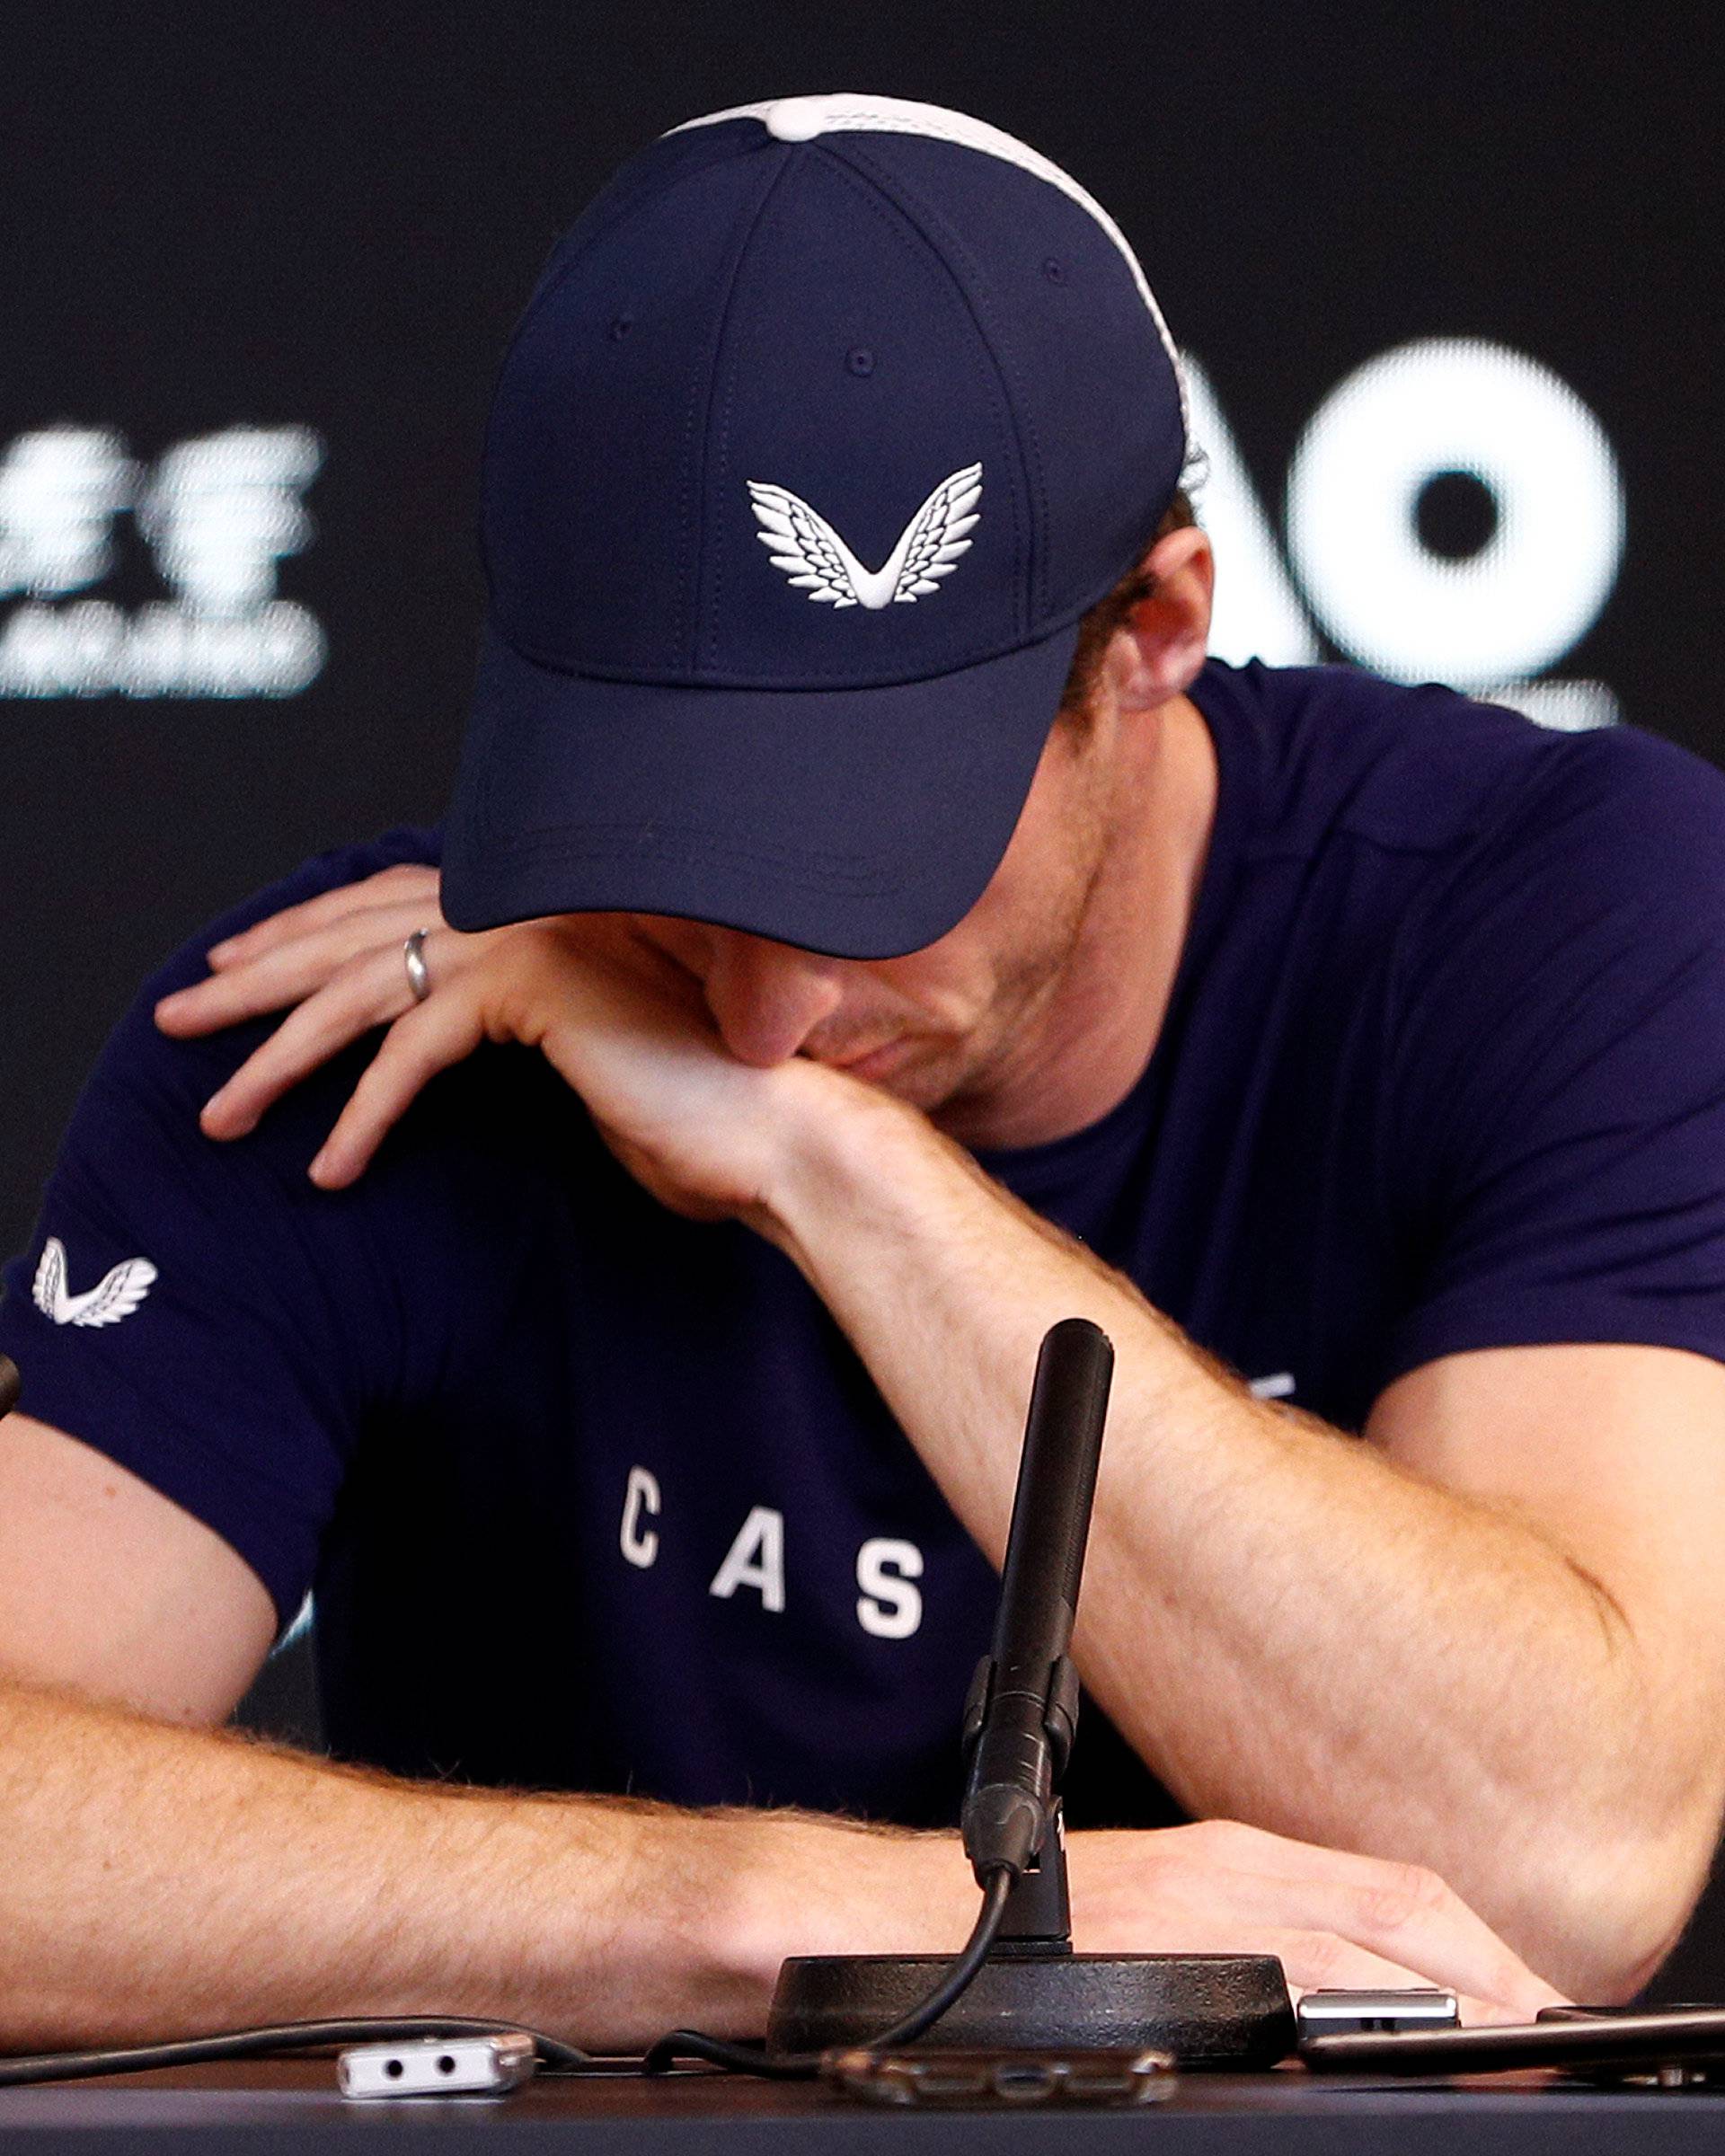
pixel 419 977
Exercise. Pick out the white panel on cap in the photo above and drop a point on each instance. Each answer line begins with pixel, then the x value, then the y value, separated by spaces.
pixel 802 119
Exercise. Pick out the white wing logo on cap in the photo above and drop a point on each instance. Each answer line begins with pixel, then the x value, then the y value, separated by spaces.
pixel 816 561
pixel 115 1296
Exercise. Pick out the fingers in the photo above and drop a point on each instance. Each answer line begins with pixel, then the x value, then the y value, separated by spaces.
pixel 1316 1961
pixel 432 1036
pixel 365 993
pixel 1402 1911
pixel 1491 2013
pixel 1344 1919
pixel 288 972
pixel 323 930
pixel 1320 1961
pixel 1452 1950
pixel 409 883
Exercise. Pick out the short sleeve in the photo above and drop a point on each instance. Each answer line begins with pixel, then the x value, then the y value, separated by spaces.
pixel 1553 1123
pixel 202 1313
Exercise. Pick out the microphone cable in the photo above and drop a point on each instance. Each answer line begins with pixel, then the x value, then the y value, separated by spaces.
pixel 804 2066
pixel 283 2040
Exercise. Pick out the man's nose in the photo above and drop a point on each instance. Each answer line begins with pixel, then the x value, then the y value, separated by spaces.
pixel 766 998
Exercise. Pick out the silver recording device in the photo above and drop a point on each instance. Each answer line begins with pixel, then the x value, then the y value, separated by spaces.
pixel 436 2066
pixel 1343 2013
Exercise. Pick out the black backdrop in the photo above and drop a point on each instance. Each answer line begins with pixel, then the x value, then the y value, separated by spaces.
pixel 326 217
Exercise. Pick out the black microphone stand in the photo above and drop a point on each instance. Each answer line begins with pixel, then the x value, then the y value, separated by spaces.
pixel 1033 1991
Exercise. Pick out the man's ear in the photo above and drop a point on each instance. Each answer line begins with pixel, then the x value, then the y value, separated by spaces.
pixel 1160 649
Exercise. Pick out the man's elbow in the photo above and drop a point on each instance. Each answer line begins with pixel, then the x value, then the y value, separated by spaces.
pixel 1605 1913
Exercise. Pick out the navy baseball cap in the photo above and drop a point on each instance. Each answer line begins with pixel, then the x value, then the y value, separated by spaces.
pixel 828 422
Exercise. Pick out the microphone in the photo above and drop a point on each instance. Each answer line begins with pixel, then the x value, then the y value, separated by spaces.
pixel 1030 1990
pixel 10 1384
pixel 1022 1711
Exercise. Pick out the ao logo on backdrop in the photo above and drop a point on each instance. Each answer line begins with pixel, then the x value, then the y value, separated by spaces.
pixel 1492 616
pixel 1489 619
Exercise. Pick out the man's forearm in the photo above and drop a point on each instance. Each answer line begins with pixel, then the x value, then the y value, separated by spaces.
pixel 158 1881
pixel 1288 1628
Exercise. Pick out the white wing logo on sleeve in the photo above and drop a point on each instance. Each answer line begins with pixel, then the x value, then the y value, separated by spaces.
pixel 816 561
pixel 115 1296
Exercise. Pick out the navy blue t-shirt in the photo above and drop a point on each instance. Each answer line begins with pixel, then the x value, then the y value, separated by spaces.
pixel 595 1497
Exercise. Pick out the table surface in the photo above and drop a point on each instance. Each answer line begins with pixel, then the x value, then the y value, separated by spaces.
pixel 271 2110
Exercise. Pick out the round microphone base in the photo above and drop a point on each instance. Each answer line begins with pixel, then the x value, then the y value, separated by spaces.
pixel 1208 2009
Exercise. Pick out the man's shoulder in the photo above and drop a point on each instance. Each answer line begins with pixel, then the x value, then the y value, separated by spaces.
pixel 327 871
pixel 1332 750
pixel 136 1116
pixel 136 1171
pixel 138 1053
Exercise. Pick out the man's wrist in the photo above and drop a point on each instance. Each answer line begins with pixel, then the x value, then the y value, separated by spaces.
pixel 842 1145
pixel 688 1914
pixel 793 1883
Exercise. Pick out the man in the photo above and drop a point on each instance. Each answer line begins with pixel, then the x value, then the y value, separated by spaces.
pixel 660 1450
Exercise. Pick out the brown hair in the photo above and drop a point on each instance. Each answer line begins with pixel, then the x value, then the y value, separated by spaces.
pixel 1098 628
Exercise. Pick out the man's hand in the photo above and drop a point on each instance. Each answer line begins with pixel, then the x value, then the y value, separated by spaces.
pixel 816 1887
pixel 1334 1918
pixel 340 951
pixel 628 1030
pixel 622 1021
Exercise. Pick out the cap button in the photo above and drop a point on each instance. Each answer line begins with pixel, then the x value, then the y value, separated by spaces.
pixel 797 118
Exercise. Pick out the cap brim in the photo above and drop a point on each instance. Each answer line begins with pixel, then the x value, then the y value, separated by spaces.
pixel 862 823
